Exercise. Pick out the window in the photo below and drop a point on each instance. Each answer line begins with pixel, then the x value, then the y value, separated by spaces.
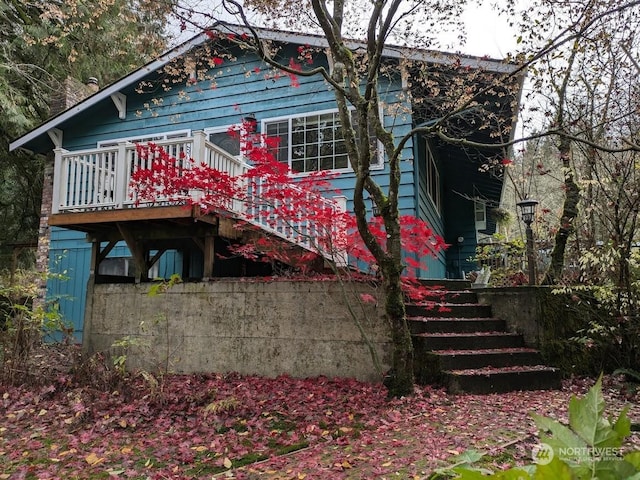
pixel 123 267
pixel 311 142
pixel 433 180
pixel 480 210
pixel 223 139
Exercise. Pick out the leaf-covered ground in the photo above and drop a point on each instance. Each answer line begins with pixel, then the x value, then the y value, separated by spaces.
pixel 232 426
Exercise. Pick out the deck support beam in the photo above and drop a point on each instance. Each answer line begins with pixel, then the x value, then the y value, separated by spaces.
pixel 105 251
pixel 209 256
pixel 137 251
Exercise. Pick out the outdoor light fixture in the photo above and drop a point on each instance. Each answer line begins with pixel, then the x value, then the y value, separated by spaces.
pixel 528 210
pixel 251 123
pixel 528 213
pixel 374 207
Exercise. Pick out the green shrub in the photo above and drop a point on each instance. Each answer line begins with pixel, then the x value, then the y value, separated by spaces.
pixel 590 447
pixel 23 326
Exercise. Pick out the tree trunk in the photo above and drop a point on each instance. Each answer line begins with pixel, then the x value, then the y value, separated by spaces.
pixel 569 213
pixel 400 379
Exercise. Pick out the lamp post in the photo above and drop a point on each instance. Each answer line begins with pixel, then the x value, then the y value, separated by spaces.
pixel 528 213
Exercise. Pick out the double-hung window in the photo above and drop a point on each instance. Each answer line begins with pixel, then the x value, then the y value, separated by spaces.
pixel 312 142
pixel 433 180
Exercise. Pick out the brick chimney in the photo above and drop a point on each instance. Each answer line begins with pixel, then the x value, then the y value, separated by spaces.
pixel 71 92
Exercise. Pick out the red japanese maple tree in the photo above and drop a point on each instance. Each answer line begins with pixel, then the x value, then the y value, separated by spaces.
pixel 292 209
pixel 267 194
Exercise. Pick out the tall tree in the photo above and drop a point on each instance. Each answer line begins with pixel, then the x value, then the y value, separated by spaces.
pixel 42 43
pixel 576 76
pixel 448 100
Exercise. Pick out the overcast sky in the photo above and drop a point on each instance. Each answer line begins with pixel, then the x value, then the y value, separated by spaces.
pixel 488 33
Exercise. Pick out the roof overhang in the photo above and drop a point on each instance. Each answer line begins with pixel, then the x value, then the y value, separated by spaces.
pixel 107 92
pixel 114 89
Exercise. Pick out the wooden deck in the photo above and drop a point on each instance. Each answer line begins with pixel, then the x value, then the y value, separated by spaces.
pixel 92 194
pixel 148 232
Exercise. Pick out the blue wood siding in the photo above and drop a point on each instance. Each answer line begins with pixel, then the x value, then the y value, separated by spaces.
pixel 69 259
pixel 426 210
pixel 238 91
pixel 462 225
pixel 240 88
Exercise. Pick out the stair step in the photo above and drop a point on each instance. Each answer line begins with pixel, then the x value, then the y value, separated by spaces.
pixel 467 297
pixel 455 325
pixel 468 341
pixel 496 358
pixel 449 310
pixel 438 297
pixel 460 345
pixel 453 285
pixel 499 380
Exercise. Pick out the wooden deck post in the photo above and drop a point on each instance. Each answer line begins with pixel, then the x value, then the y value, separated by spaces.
pixel 138 252
pixel 186 264
pixel 199 151
pixel 121 176
pixel 59 183
pixel 95 258
pixel 209 256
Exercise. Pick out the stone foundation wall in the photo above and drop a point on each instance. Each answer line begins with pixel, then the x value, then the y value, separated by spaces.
pixel 520 308
pixel 551 322
pixel 266 328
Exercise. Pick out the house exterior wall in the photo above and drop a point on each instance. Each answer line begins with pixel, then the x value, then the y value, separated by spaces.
pixel 302 329
pixel 241 87
pixel 460 254
pixel 426 209
pixel 69 264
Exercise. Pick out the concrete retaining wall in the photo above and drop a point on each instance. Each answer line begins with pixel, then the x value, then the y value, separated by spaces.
pixel 283 327
pixel 520 308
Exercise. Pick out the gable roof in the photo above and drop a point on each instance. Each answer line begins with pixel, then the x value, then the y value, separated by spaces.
pixel 427 56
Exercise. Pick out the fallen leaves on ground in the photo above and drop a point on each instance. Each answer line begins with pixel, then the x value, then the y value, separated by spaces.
pixel 248 427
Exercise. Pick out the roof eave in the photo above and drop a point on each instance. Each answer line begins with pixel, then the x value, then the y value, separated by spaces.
pixel 106 92
pixel 267 34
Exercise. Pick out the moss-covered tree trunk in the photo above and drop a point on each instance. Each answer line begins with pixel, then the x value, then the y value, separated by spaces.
pixel 400 379
pixel 569 213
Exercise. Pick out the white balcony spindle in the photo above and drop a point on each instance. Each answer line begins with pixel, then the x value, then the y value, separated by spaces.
pixel 121 181
pixel 59 181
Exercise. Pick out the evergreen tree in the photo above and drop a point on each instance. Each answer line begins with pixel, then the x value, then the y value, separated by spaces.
pixel 41 44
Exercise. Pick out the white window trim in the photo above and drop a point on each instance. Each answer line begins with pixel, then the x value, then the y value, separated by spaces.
pixel 378 166
pixel 431 161
pixel 480 224
pixel 155 136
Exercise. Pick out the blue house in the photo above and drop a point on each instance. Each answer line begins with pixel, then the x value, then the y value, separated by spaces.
pixel 93 231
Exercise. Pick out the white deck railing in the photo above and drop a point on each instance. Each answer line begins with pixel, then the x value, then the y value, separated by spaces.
pixel 99 179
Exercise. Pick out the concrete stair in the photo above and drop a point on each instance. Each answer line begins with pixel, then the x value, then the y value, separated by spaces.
pixel 460 345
